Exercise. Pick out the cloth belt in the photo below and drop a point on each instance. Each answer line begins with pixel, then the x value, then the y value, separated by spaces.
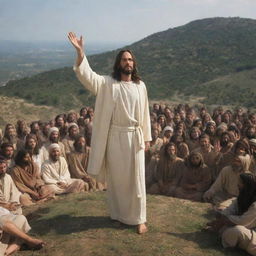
pixel 139 144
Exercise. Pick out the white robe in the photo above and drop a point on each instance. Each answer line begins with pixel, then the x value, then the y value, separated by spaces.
pixel 121 125
pixel 8 190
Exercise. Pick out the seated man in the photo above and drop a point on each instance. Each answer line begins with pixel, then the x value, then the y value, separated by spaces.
pixel 26 177
pixel 226 185
pixel 168 171
pixel 14 228
pixel 196 178
pixel 210 156
pixel 78 162
pixel 154 146
pixel 236 224
pixel 68 141
pixel 56 174
pixel 9 194
pixel 54 137
pixel 7 152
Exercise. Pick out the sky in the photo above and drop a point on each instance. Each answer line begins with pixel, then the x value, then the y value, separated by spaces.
pixel 108 20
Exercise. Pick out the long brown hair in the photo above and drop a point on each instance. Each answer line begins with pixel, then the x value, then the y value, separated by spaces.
pixel 116 68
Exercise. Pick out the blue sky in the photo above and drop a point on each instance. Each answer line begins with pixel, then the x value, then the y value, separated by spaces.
pixel 108 20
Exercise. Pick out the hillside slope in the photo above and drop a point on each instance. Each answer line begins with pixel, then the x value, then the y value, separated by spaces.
pixel 175 60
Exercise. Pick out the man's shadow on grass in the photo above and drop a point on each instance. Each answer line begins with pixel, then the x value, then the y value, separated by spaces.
pixel 66 224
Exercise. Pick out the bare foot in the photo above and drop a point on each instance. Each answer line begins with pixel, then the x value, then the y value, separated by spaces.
pixel 12 248
pixel 142 228
pixel 37 244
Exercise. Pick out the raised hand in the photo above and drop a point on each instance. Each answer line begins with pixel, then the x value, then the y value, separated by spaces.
pixel 77 43
pixel 79 46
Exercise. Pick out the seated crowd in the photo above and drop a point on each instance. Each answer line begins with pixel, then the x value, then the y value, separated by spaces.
pixel 38 162
pixel 193 155
pixel 210 158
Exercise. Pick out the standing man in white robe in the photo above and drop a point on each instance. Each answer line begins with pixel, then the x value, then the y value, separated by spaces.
pixel 121 127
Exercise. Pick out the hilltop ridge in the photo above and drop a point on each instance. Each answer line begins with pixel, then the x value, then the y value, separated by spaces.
pixel 177 60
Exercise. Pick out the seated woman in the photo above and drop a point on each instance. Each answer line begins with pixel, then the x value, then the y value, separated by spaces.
pixel 236 224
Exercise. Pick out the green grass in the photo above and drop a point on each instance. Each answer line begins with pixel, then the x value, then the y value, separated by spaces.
pixel 79 225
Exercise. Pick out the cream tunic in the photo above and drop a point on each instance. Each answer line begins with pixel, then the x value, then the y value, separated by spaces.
pixel 123 157
pixel 121 125
pixel 243 234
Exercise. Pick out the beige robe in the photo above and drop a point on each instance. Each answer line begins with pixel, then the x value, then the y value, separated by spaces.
pixel 19 220
pixel 168 175
pixel 54 172
pixel 211 159
pixel 243 234
pixel 153 150
pixel 77 164
pixel 225 187
pixel 194 182
pixel 121 124
pixel 8 190
pixel 29 182
pixel 68 145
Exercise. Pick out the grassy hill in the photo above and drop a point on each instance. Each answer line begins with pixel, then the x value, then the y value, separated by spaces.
pixel 179 60
pixel 234 89
pixel 79 225
pixel 14 109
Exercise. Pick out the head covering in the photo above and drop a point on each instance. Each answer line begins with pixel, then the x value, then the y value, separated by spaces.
pixel 223 126
pixel 211 123
pixel 51 130
pixel 53 146
pixel 167 128
pixel 246 161
pixel 72 124
pixel 252 142
pixel 188 161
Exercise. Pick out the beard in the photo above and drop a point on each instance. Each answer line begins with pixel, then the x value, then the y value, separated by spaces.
pixel 172 157
pixel 80 149
pixel 126 71
pixel 2 175
pixel 195 165
pixel 25 162
pixel 224 143
pixel 54 140
pixel 12 139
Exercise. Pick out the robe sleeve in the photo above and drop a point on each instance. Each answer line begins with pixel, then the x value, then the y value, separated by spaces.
pixel 39 181
pixel 47 174
pixel 205 182
pixel 91 80
pixel 16 176
pixel 65 174
pixel 219 182
pixel 146 128
pixel 14 192
pixel 247 219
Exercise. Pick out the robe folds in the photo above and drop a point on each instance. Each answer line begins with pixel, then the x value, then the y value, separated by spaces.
pixel 242 234
pixel 54 172
pixel 19 220
pixel 8 190
pixel 121 125
pixel 29 182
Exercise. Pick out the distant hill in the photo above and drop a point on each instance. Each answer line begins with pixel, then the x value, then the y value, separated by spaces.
pixel 17 109
pixel 234 89
pixel 180 60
